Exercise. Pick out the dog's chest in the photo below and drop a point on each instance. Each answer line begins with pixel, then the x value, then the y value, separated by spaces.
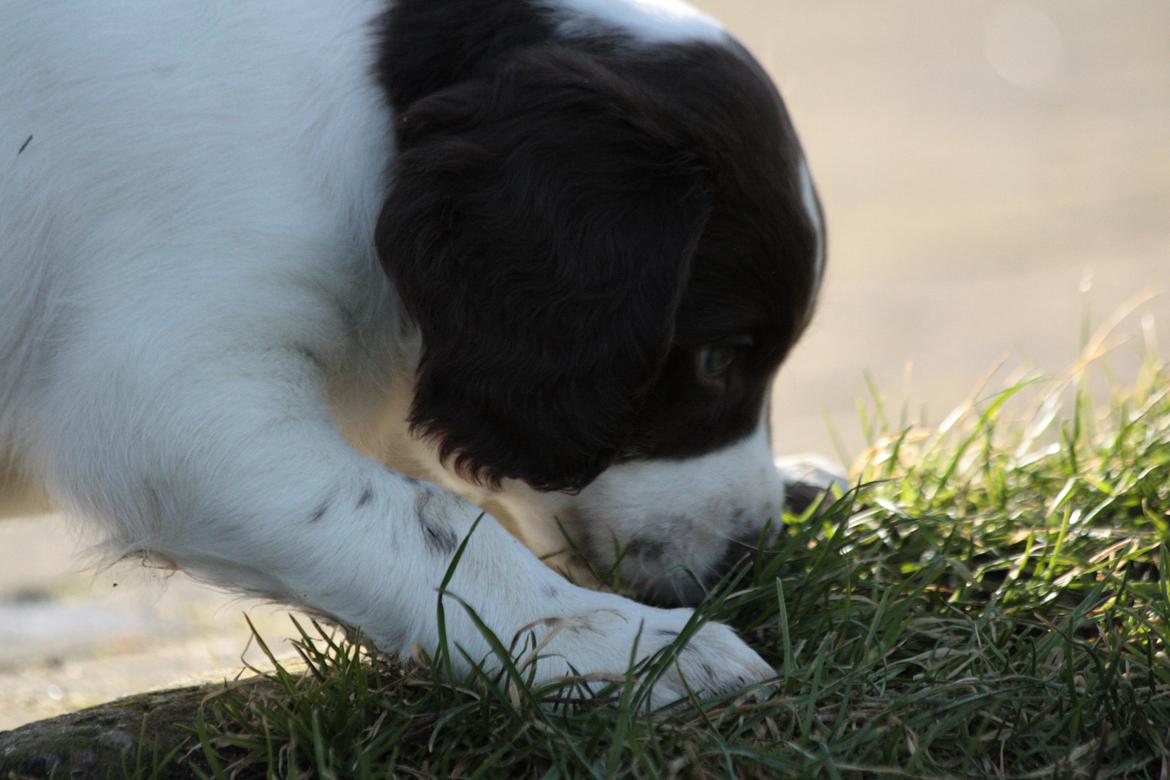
pixel 19 496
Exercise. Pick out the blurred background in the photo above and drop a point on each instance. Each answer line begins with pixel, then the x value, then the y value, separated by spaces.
pixel 995 175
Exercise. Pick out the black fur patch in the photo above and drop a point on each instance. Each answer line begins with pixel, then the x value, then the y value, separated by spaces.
pixel 569 222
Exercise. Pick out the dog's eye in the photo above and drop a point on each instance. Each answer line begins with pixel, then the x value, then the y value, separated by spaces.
pixel 714 361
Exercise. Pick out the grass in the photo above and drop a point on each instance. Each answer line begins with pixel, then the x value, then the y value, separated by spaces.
pixel 992 599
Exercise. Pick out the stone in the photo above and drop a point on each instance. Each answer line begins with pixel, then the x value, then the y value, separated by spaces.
pixel 125 737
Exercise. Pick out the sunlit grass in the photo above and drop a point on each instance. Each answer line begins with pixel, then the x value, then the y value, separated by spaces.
pixel 992 599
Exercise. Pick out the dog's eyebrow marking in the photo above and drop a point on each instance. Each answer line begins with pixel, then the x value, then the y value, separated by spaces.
pixel 364 498
pixel 437 537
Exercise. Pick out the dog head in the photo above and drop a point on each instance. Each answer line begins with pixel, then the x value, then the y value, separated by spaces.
pixel 608 241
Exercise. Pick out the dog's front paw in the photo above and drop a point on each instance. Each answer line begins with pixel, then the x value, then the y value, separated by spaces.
pixel 715 661
pixel 599 643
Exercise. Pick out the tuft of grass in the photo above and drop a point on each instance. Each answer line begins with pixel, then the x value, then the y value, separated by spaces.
pixel 992 599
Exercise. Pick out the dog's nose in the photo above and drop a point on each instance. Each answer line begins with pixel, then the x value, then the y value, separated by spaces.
pixel 738 549
pixel 807 477
pixel 799 496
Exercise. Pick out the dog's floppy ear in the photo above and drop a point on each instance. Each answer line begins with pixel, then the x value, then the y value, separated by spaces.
pixel 539 230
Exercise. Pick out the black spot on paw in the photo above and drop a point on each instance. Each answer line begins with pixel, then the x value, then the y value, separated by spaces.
pixel 429 505
pixel 365 498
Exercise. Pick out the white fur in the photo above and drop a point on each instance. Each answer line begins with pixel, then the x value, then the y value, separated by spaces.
pixel 690 513
pixel 200 355
pixel 651 21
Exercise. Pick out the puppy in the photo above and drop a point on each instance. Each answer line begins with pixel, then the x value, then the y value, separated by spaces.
pixel 288 295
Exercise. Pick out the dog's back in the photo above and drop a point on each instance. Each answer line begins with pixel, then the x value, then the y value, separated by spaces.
pixel 133 131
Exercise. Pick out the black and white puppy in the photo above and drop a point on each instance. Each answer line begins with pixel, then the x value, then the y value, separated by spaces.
pixel 259 263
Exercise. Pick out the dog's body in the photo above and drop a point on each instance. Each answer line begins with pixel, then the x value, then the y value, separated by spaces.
pixel 261 271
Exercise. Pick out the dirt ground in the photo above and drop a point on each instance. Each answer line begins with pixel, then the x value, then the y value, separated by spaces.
pixel 991 171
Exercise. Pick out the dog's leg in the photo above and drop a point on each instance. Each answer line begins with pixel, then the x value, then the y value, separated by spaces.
pixel 229 467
